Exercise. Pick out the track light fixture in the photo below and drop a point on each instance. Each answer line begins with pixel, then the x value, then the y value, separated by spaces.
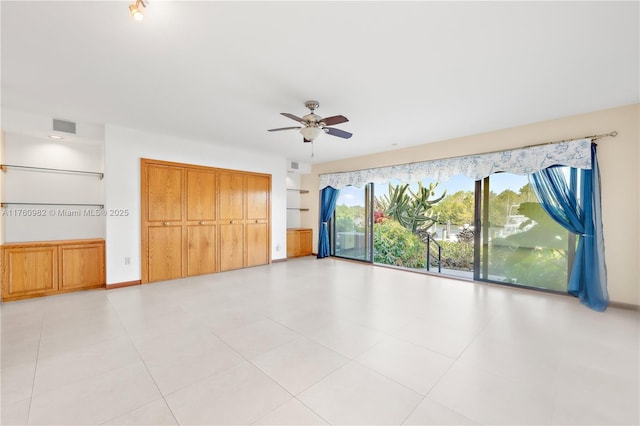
pixel 136 9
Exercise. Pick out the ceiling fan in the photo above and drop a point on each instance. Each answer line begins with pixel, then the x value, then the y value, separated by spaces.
pixel 313 125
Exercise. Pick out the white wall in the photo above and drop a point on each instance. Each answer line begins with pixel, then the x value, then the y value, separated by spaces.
pixel 55 221
pixel 123 149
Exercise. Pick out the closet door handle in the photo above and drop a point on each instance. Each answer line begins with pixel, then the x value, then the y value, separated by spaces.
pixel 257 221
pixel 202 222
pixel 165 223
pixel 232 221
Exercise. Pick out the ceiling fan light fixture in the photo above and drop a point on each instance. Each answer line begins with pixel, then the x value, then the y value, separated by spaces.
pixel 311 133
pixel 136 9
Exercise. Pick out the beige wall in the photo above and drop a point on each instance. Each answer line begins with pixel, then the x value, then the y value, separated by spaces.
pixel 619 159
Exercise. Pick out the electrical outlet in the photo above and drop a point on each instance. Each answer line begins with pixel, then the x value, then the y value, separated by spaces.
pixel 127 260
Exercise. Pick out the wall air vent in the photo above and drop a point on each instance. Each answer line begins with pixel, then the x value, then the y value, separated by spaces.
pixel 64 126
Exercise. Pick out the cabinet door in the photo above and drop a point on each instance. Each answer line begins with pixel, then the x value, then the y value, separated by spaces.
pixel 81 266
pixel 201 252
pixel 231 246
pixel 292 243
pixel 30 271
pixel 165 252
pixel 164 193
pixel 305 242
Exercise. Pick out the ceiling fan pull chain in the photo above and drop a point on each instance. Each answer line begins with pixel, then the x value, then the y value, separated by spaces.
pixel 311 149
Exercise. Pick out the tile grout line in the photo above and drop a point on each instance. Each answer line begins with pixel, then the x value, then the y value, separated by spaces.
pixel 266 374
pixel 145 367
pixel 35 369
pixel 455 360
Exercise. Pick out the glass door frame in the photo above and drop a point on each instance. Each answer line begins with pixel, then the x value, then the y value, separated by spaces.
pixel 368 228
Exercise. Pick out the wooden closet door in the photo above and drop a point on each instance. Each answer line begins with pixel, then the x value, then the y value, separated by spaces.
pixel 257 241
pixel 163 227
pixel 231 218
pixel 201 222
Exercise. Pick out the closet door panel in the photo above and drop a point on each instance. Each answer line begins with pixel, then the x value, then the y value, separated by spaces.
pixel 164 193
pixel 231 246
pixel 201 195
pixel 257 244
pixel 258 189
pixel 202 253
pixel 231 195
pixel 165 252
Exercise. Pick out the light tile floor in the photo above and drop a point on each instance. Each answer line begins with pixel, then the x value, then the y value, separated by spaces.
pixel 317 342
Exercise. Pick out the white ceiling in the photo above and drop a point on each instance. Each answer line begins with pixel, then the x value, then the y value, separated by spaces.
pixel 404 73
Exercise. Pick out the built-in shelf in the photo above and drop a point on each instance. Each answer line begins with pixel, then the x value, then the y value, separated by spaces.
pixel 6 203
pixel 4 168
pixel 300 191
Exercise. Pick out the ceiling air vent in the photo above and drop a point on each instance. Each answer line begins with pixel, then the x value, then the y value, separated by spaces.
pixel 64 126
pixel 295 165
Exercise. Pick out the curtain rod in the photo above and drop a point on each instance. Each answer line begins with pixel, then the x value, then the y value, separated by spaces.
pixel 592 137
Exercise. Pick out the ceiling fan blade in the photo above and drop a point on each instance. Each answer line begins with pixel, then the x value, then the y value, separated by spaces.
pixel 337 132
pixel 293 117
pixel 283 128
pixel 336 119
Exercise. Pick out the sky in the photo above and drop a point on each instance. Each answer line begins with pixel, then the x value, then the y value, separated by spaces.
pixel 352 196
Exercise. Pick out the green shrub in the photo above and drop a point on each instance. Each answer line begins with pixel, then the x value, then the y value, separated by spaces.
pixel 393 244
pixel 537 267
pixel 455 255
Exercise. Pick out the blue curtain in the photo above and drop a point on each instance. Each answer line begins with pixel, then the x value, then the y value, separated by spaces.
pixel 328 198
pixel 579 211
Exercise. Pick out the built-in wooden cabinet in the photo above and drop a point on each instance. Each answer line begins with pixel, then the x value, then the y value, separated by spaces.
pixel 299 242
pixel 48 267
pixel 200 220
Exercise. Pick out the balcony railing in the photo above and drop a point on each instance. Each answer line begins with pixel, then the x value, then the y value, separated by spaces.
pixel 438 258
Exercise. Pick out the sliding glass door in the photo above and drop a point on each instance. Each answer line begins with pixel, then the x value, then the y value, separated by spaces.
pixel 519 242
pixel 351 224
pixel 492 230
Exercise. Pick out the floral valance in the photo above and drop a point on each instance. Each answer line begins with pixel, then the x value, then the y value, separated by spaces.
pixel 522 161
